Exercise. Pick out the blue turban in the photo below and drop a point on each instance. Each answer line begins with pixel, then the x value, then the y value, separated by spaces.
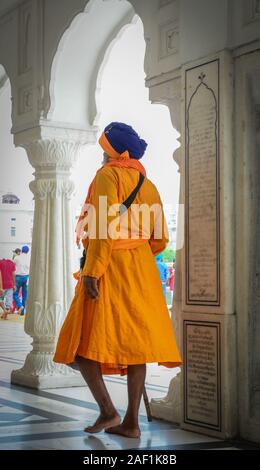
pixel 123 137
pixel 25 249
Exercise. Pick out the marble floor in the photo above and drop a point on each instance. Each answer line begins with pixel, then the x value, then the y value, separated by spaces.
pixel 54 419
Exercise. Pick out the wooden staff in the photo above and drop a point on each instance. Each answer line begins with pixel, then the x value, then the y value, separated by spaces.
pixel 147 405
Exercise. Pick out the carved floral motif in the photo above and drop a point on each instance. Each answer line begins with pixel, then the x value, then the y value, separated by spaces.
pixel 52 153
pixel 41 188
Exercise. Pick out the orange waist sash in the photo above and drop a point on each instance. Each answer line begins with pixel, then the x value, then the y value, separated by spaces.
pixel 124 243
pixel 128 243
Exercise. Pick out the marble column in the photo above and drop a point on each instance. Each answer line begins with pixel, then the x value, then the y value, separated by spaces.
pixel 168 92
pixel 208 317
pixel 247 142
pixel 51 282
pixel 169 407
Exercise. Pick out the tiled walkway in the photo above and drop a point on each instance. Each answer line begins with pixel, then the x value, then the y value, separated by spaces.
pixel 54 419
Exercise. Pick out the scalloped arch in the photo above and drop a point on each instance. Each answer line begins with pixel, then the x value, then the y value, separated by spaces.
pixel 79 61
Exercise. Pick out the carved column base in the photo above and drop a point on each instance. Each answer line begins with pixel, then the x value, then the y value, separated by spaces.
pixel 40 372
pixel 169 407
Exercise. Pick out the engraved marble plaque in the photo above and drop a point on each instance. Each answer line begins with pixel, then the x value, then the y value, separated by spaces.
pixel 202 401
pixel 202 184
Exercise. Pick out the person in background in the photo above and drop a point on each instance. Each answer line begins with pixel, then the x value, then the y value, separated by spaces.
pixel 16 252
pixel 171 277
pixel 7 285
pixel 163 271
pixel 22 263
pixel 1 292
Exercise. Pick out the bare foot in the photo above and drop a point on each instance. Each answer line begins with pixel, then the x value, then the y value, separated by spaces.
pixel 104 422
pixel 124 430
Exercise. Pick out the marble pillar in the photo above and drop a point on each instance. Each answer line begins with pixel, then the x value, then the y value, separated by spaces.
pixel 247 135
pixel 168 92
pixel 51 287
pixel 208 318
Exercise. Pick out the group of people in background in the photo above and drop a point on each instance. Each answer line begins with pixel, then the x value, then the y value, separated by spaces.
pixel 14 276
pixel 166 275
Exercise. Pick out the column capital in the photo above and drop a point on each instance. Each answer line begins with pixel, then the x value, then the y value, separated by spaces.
pixel 42 187
pixel 54 144
pixel 52 155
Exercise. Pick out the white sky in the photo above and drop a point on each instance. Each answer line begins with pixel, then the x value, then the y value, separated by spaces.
pixel 15 169
pixel 124 97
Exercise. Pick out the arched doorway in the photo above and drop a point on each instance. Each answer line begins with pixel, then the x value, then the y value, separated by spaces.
pixel 70 121
pixel 85 81
pixel 122 96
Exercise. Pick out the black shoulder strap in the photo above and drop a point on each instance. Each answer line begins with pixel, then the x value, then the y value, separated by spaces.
pixel 127 203
pixel 123 207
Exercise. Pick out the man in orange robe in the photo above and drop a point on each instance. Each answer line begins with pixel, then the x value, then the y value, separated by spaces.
pixel 118 320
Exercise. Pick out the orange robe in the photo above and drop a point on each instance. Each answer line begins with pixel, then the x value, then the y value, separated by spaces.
pixel 129 323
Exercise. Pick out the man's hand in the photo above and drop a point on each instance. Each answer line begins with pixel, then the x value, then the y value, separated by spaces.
pixel 91 287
